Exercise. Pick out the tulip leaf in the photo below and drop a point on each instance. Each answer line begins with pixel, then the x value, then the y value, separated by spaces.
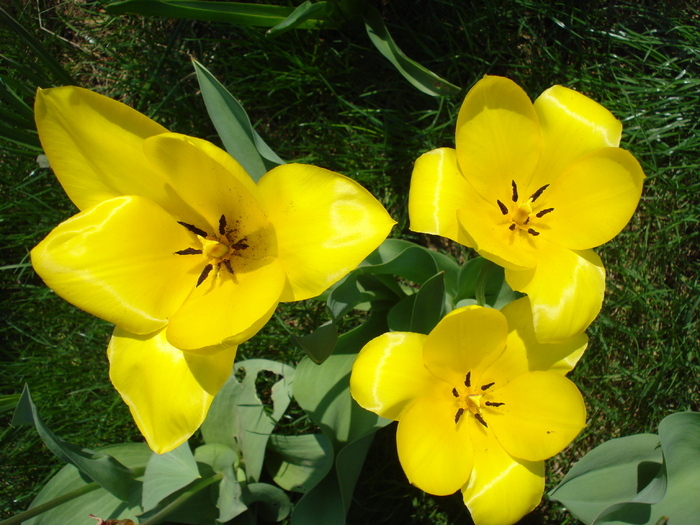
pixel 273 503
pixel 305 12
pixel 641 479
pixel 421 77
pixel 429 306
pixel 224 461
pixel 99 467
pixel 298 463
pixel 99 502
pixel 233 125
pixel 237 417
pixel 256 15
pixel 483 282
pixel 400 317
pixel 320 343
pixel 167 473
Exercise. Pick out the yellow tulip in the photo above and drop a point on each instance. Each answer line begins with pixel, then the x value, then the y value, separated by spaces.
pixel 178 247
pixel 480 404
pixel 532 187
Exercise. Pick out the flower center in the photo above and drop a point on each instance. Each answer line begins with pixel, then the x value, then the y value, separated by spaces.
pixel 218 249
pixel 470 400
pixel 522 214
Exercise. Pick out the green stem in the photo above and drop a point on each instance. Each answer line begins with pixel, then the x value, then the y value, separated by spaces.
pixel 480 291
pixel 39 509
pixel 182 498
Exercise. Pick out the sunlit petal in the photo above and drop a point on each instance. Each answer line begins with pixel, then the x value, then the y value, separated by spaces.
pixel 200 189
pixel 565 289
pixel 437 192
pixel 594 199
pixel 435 452
pixel 117 261
pixel 572 125
pixel 389 373
pixel 542 413
pixel 168 391
pixel 325 224
pixel 225 306
pixel 525 353
pixel 498 137
pixel 501 488
pixel 466 340
pixel 95 145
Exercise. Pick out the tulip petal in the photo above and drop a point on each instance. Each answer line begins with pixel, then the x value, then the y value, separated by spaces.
pixel 565 289
pixel 572 125
pixel 498 138
pixel 468 339
pixel 435 452
pixel 594 199
pixel 227 309
pixel 168 391
pixel 542 413
pixel 326 224
pixel 525 353
pixel 437 191
pixel 501 488
pixel 117 261
pixel 94 145
pixel 487 229
pixel 201 189
pixel 389 373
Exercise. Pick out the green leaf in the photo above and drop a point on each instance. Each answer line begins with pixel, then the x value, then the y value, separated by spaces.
pixel 480 281
pixel 429 306
pixel 225 461
pixel 99 467
pixel 167 473
pixel 305 12
pixel 642 490
pixel 233 125
pixel 298 463
pixel 98 502
pixel 273 503
pixel 237 417
pixel 256 15
pixel 421 77
pixel 320 343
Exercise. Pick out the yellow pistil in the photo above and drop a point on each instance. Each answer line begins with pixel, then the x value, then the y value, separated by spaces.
pixel 214 249
pixel 521 213
pixel 470 400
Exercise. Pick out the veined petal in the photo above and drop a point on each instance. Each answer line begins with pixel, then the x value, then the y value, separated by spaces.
pixel 524 353
pixel 542 413
pixel 325 223
pixel 95 145
pixel 389 373
pixel 498 137
pixel 565 290
pixel 501 488
pixel 487 229
pixel 437 191
pixel 117 261
pixel 594 199
pixel 572 125
pixel 201 189
pixel 226 308
pixel 466 340
pixel 168 391
pixel 435 452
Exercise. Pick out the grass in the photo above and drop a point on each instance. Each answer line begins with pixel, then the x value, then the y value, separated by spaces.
pixel 327 97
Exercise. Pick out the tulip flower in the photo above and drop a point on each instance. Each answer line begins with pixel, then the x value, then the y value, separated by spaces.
pixel 533 188
pixel 178 247
pixel 480 404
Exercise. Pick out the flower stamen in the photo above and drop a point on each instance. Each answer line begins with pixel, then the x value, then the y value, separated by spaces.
pixel 542 213
pixel 480 419
pixel 193 229
pixel 468 380
pixel 515 191
pixel 487 386
pixel 205 273
pixel 459 413
pixel 538 193
pixel 504 209
pixel 455 393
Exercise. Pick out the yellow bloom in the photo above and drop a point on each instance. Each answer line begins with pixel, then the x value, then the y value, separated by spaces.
pixel 480 404
pixel 532 188
pixel 178 247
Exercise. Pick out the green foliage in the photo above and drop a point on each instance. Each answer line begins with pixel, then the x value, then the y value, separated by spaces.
pixel 641 479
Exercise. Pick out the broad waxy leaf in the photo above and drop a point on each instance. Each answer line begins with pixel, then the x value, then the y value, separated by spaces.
pixel 233 125
pixel 102 468
pixel 273 503
pixel 167 473
pixel 237 417
pixel 320 343
pixel 299 462
pixel 224 461
pixel 421 77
